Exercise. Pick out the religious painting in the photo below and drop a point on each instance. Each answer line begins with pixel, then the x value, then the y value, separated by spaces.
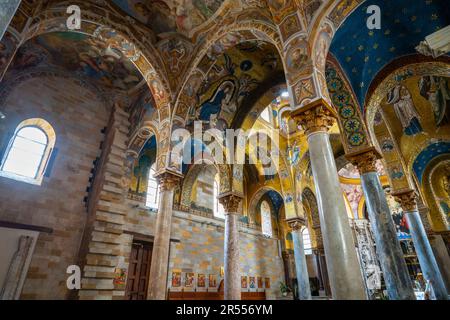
pixel 402 102
pixel 170 15
pixel 83 56
pixel 267 283
pixel 244 282
pixel 189 279
pixel 437 91
pixel 212 281
pixel 260 283
pixel 176 279
pixel 252 282
pixel 120 276
pixel 401 225
pixel 201 281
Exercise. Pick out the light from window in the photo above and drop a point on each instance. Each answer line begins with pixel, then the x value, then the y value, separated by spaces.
pixel 26 152
pixel 265 115
pixel 219 211
pixel 266 219
pixel 152 190
pixel 307 241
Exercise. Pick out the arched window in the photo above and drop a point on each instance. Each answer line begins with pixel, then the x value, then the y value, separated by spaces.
pixel 266 219
pixel 219 211
pixel 152 190
pixel 307 241
pixel 28 151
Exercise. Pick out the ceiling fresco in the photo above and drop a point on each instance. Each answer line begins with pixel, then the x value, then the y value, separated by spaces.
pixel 403 26
pixel 81 55
pixel 164 16
pixel 231 79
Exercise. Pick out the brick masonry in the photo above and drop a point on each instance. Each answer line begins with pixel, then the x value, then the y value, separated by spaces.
pixel 77 117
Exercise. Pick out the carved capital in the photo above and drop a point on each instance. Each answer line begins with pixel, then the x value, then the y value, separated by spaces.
pixel 296 223
pixel 168 180
pixel 318 116
pixel 407 199
pixel 365 160
pixel 230 202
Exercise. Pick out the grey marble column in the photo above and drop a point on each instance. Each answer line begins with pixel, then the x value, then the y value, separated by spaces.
pixel 395 271
pixel 161 244
pixel 343 265
pixel 427 261
pixel 301 268
pixel 442 258
pixel 232 280
pixel 7 10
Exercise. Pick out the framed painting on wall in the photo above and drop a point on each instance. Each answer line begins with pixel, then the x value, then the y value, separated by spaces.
pixel 252 282
pixel 176 279
pixel 244 283
pixel 201 282
pixel 212 281
pixel 260 283
pixel 189 280
pixel 267 281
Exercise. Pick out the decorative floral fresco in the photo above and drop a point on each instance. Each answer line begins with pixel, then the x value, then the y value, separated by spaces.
pixel 81 55
pixel 170 15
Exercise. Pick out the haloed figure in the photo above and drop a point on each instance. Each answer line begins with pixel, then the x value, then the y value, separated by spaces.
pixel 405 110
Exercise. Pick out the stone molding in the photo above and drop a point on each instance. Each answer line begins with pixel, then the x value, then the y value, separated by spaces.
pixel 317 116
pixel 230 202
pixel 297 223
pixel 365 160
pixel 407 199
pixel 168 181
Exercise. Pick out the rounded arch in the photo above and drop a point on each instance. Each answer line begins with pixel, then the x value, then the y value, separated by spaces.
pixel 225 38
pixel 192 175
pixel 117 35
pixel 310 201
pixel 256 199
pixel 40 138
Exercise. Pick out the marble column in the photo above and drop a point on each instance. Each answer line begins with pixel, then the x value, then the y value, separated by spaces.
pixel 232 278
pixel 344 269
pixel 442 258
pixel 427 261
pixel 160 255
pixel 437 245
pixel 7 10
pixel 398 283
pixel 301 268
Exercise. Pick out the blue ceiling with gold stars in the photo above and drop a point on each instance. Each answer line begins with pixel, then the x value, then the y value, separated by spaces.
pixel 429 153
pixel 362 53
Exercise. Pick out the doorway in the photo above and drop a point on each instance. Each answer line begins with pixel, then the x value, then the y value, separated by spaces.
pixel 138 271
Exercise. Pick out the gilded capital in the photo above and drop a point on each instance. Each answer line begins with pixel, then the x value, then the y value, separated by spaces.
pixel 296 223
pixel 318 116
pixel 168 180
pixel 365 160
pixel 230 202
pixel 407 199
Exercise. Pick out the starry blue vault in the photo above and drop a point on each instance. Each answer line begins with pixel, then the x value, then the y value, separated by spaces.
pixel 362 53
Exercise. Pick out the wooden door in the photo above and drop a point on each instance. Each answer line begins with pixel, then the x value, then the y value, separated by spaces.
pixel 138 271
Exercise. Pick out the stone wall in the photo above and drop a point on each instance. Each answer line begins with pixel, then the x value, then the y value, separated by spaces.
pixel 197 247
pixel 77 117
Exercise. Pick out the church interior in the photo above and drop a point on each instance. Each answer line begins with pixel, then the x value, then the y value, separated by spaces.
pixel 98 201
